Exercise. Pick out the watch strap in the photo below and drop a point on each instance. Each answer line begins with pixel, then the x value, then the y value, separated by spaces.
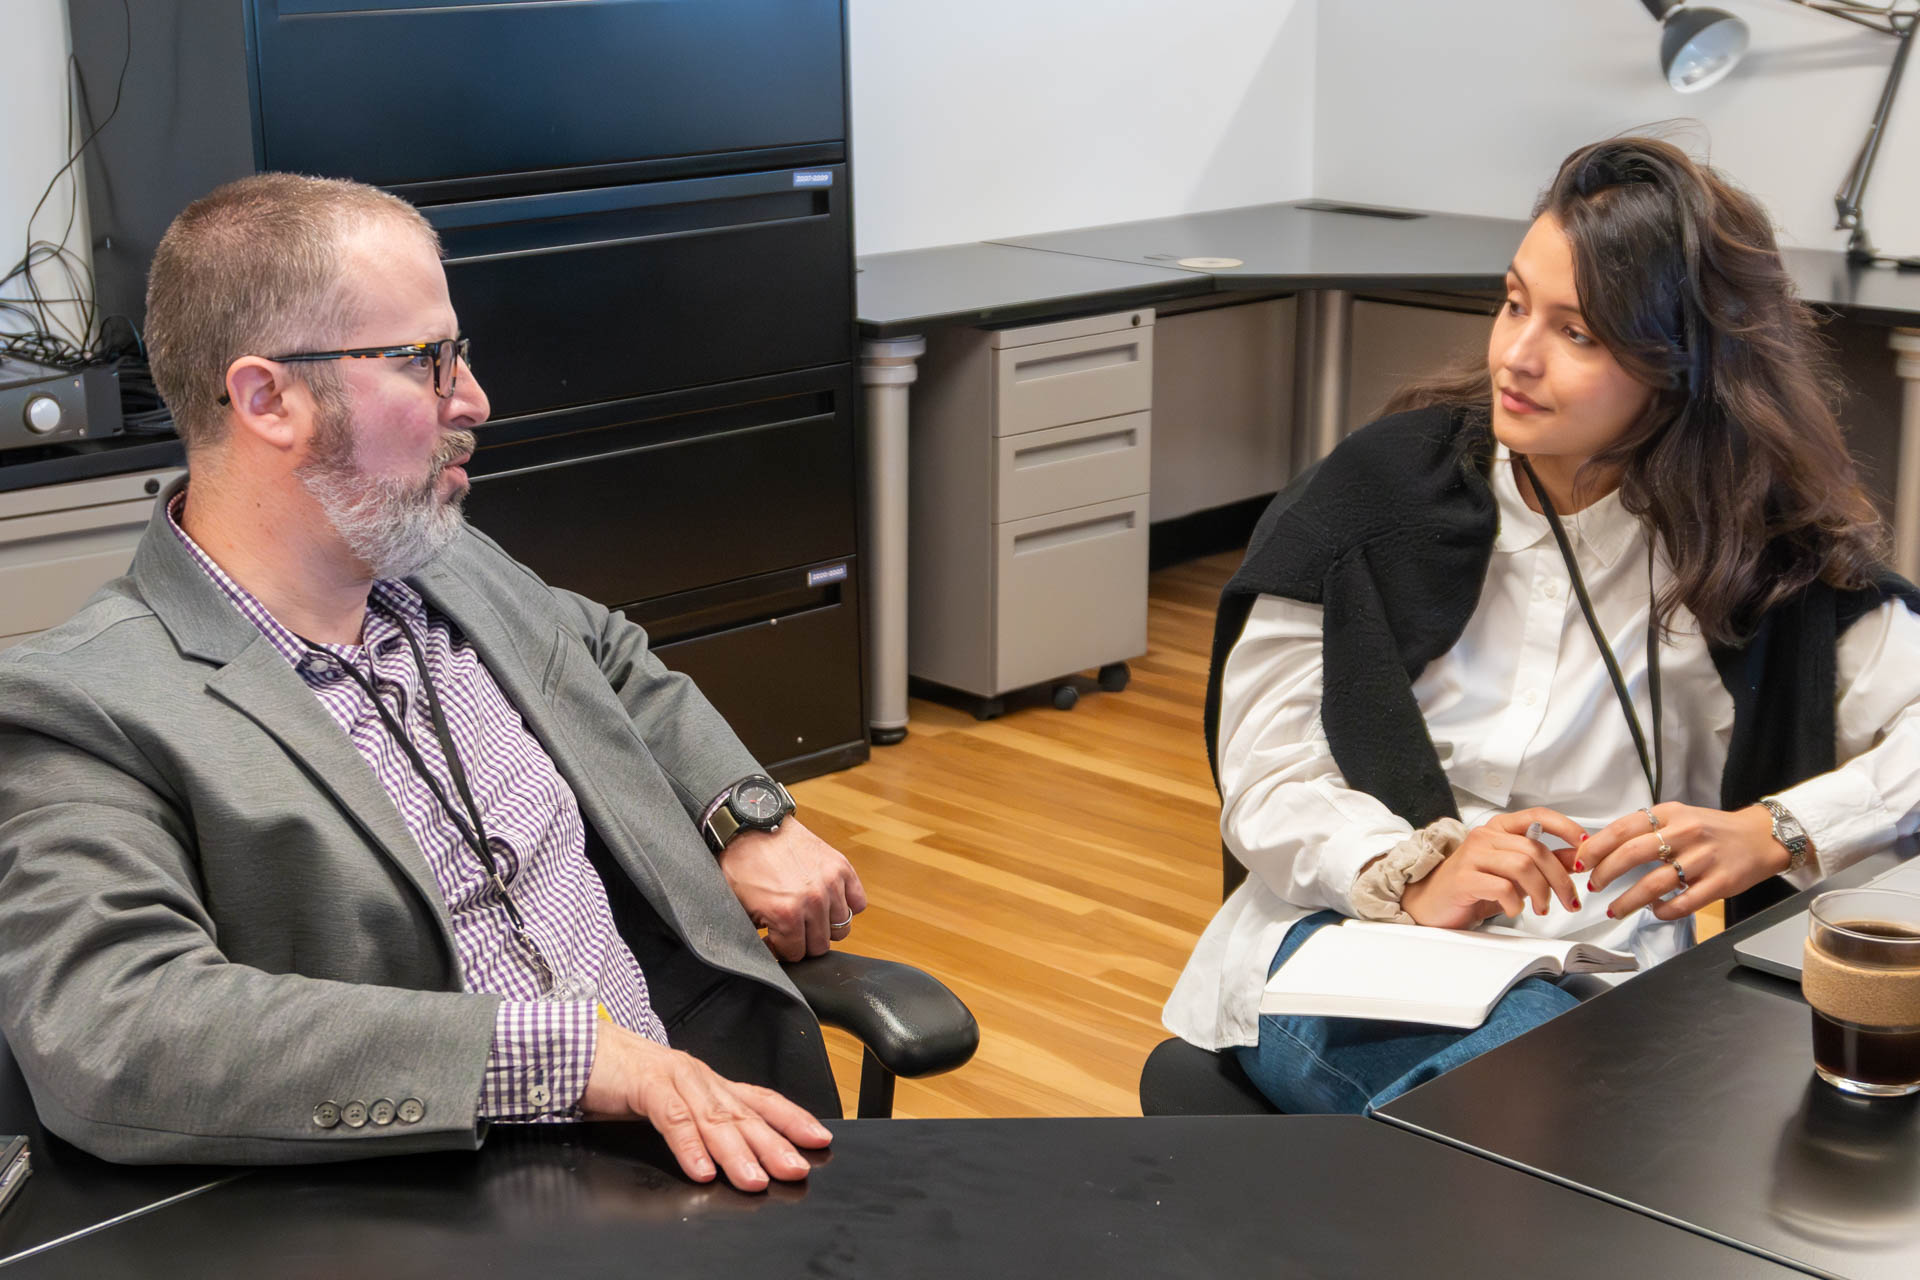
pixel 1789 831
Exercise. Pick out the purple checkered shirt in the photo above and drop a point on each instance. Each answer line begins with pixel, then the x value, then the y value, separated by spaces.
pixel 542 1050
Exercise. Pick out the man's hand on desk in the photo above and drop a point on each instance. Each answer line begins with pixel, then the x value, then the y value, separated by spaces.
pixel 748 1131
pixel 794 885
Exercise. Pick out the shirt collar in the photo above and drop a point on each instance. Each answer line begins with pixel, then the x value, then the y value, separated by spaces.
pixel 395 596
pixel 1605 529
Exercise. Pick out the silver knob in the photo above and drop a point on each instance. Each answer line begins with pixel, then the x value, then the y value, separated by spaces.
pixel 42 415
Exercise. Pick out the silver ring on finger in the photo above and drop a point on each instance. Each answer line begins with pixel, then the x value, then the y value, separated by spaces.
pixel 843 924
pixel 1651 817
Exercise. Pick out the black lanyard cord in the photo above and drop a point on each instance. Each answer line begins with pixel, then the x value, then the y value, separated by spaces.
pixel 476 837
pixel 1654 766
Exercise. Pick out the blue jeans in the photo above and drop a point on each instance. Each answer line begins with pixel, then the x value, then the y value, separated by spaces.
pixel 1310 1066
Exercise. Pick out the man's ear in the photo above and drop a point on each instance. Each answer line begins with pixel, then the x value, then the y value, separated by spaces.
pixel 267 404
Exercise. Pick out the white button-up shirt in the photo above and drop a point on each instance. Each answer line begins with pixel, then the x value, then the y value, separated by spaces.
pixel 1522 713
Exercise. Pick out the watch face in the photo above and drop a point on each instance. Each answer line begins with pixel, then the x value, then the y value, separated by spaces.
pixel 756 802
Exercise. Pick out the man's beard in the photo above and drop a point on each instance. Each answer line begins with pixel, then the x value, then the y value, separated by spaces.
pixel 392 525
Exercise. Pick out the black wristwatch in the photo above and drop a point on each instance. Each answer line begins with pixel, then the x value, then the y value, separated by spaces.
pixel 755 803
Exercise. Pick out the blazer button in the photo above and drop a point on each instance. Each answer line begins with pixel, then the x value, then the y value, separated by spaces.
pixel 354 1114
pixel 327 1115
pixel 381 1112
pixel 412 1111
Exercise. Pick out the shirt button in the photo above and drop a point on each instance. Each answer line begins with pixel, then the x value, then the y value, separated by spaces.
pixel 1533 696
pixel 1494 779
pixel 381 1112
pixel 412 1111
pixel 354 1114
pixel 539 1095
pixel 1553 591
pixel 326 1115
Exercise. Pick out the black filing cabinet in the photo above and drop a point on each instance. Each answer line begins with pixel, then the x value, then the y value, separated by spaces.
pixel 646 213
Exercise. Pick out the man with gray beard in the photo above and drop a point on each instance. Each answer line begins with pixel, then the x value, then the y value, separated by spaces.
pixel 330 830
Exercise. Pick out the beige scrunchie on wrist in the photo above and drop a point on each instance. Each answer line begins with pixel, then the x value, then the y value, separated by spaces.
pixel 1376 894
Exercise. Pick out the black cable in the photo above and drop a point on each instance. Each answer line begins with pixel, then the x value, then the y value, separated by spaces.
pixel 48 340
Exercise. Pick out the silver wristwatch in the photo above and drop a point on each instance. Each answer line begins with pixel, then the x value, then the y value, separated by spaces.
pixel 1788 831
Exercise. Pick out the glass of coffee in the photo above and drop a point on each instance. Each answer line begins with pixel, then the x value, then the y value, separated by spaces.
pixel 1861 974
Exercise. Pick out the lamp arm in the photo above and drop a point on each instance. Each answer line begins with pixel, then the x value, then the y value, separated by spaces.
pixel 1848 200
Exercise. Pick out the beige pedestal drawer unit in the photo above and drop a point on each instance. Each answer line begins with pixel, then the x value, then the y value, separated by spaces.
pixel 1028 510
pixel 60 543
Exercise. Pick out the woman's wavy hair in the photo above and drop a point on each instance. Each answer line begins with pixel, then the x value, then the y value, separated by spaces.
pixel 1739 463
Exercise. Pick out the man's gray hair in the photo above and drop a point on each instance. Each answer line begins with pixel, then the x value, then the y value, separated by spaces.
pixel 255 268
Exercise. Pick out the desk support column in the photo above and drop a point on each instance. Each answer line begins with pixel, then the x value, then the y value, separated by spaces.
pixel 1323 333
pixel 1906 503
pixel 887 368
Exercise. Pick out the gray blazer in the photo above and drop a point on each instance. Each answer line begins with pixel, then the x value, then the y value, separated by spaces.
pixel 212 917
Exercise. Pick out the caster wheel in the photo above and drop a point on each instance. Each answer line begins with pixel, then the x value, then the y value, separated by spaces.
pixel 886 737
pixel 989 708
pixel 1114 677
pixel 1064 696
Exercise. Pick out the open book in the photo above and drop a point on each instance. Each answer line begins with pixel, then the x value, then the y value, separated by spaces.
pixel 1406 973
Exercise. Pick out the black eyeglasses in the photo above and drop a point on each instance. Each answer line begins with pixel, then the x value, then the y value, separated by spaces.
pixel 445 356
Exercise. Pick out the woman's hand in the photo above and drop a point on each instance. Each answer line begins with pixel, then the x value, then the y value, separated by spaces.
pixel 1497 870
pixel 1720 853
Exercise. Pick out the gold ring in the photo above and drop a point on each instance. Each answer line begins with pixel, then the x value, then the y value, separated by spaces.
pixel 1666 854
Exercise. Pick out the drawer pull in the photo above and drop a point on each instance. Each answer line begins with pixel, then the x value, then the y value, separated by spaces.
pixel 1051 539
pixel 1075 362
pixel 1043 455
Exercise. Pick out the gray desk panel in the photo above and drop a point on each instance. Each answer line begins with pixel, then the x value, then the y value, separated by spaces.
pixel 906 293
pixel 1689 1092
pixel 1204 1197
pixel 1287 246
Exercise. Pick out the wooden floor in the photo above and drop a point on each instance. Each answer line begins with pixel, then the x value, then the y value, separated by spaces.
pixel 1053 868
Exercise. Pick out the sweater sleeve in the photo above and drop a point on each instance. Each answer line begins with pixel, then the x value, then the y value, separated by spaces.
pixel 1287 813
pixel 1873 797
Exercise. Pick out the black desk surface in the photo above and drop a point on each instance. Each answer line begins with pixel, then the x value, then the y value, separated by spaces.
pixel 1296 246
pixel 1205 1197
pixel 906 293
pixel 69 1191
pixel 1282 247
pixel 1689 1093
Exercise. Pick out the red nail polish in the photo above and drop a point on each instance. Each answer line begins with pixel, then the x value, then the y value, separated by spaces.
pixel 1576 903
pixel 1579 865
pixel 1590 885
pixel 1609 913
pixel 1583 839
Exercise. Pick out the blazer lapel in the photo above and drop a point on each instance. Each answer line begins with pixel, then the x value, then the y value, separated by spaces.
pixel 262 687
pixel 253 678
pixel 498 646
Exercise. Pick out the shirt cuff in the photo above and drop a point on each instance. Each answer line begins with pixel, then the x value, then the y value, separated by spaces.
pixel 1845 817
pixel 539 1061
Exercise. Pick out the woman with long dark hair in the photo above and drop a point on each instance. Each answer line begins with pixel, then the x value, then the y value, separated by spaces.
pixel 1620 581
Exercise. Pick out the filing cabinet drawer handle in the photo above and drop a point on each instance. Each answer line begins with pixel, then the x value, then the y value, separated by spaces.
pixel 1051 539
pixel 1041 455
pixel 1075 362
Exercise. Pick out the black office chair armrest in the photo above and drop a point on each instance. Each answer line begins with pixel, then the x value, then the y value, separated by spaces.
pixel 909 1022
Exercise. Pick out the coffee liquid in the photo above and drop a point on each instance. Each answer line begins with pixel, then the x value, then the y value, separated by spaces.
pixel 1872 1055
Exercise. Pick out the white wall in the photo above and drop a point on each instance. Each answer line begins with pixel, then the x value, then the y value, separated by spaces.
pixel 1012 117
pixel 1468 106
pixel 33 102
